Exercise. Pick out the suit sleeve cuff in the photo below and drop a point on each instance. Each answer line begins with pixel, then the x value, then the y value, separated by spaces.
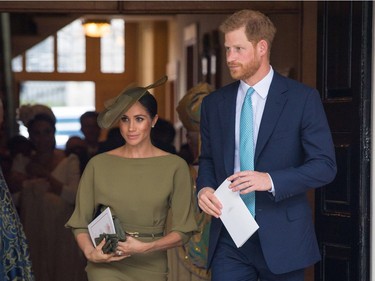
pixel 272 190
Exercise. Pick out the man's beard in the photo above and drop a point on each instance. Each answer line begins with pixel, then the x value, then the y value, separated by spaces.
pixel 246 71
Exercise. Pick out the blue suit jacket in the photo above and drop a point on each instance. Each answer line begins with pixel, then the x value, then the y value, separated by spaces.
pixel 294 146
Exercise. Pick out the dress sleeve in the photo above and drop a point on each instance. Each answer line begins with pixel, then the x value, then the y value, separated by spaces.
pixel 84 204
pixel 183 203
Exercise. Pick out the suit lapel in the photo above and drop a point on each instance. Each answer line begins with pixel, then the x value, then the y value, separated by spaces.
pixel 227 108
pixel 276 100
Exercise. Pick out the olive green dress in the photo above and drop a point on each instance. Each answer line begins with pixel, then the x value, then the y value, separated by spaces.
pixel 140 192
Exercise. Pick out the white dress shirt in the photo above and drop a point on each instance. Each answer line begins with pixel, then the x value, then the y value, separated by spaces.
pixel 258 100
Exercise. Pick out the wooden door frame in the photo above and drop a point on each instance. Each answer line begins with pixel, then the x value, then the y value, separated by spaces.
pixel 344 222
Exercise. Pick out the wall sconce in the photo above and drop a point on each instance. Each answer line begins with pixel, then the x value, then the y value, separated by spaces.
pixel 96 28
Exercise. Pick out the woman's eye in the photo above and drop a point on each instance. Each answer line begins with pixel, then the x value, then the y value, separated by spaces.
pixel 139 119
pixel 124 119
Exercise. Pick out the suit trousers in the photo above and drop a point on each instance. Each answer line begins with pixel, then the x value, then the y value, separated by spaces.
pixel 246 263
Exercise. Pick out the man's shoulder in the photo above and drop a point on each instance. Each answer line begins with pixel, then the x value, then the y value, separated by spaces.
pixel 224 91
pixel 229 87
pixel 290 83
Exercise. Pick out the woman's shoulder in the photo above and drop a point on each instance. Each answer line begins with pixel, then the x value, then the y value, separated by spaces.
pixel 72 157
pixel 159 156
pixel 99 158
pixel 105 160
pixel 175 159
pixel 19 163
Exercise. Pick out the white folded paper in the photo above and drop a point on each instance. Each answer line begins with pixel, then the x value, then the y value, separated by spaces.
pixel 103 223
pixel 235 216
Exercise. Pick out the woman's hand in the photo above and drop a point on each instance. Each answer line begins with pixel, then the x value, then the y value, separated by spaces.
pixel 96 255
pixel 132 246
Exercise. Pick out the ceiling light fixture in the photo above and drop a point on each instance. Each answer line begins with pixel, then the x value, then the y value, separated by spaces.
pixel 96 28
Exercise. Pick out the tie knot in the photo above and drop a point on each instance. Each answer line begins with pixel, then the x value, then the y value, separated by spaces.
pixel 249 92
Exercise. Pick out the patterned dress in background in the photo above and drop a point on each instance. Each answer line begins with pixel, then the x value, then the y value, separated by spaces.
pixel 15 264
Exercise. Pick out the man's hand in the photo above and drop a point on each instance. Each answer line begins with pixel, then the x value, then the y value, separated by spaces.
pixel 208 202
pixel 248 181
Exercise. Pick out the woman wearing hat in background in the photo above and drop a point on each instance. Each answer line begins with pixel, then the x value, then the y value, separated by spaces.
pixel 141 184
pixel 45 185
pixel 189 261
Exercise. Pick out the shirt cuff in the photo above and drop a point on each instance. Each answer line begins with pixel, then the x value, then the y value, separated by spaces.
pixel 272 190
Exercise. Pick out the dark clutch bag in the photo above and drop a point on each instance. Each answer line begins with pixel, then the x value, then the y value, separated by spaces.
pixel 111 239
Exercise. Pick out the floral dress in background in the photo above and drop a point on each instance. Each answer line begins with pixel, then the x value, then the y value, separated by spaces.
pixel 15 264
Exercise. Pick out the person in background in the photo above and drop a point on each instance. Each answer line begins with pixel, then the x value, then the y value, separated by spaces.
pixel 46 183
pixel 15 261
pixel 269 137
pixel 163 135
pixel 46 165
pixel 77 145
pixel 91 131
pixel 189 262
pixel 19 144
pixel 141 184
pixel 15 145
pixel 186 153
pixel 114 139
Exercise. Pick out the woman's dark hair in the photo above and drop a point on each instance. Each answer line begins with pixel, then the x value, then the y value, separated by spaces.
pixel 88 114
pixel 149 102
pixel 19 144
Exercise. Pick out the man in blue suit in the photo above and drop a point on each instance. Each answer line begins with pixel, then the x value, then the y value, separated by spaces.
pixel 293 153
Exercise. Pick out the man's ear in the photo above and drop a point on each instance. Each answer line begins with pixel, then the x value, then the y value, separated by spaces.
pixel 262 47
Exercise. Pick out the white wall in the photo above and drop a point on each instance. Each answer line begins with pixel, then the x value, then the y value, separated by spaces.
pixel 206 23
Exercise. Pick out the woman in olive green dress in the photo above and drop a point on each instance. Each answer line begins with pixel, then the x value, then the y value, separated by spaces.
pixel 141 184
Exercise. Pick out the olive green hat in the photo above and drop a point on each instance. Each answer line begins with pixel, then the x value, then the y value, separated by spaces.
pixel 189 107
pixel 115 107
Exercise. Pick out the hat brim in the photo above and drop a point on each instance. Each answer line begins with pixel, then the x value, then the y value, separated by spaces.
pixel 114 108
pixel 188 108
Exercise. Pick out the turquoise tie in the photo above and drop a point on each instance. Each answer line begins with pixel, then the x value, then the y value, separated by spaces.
pixel 247 145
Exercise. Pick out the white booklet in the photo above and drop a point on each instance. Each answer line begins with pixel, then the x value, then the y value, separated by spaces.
pixel 103 223
pixel 235 216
